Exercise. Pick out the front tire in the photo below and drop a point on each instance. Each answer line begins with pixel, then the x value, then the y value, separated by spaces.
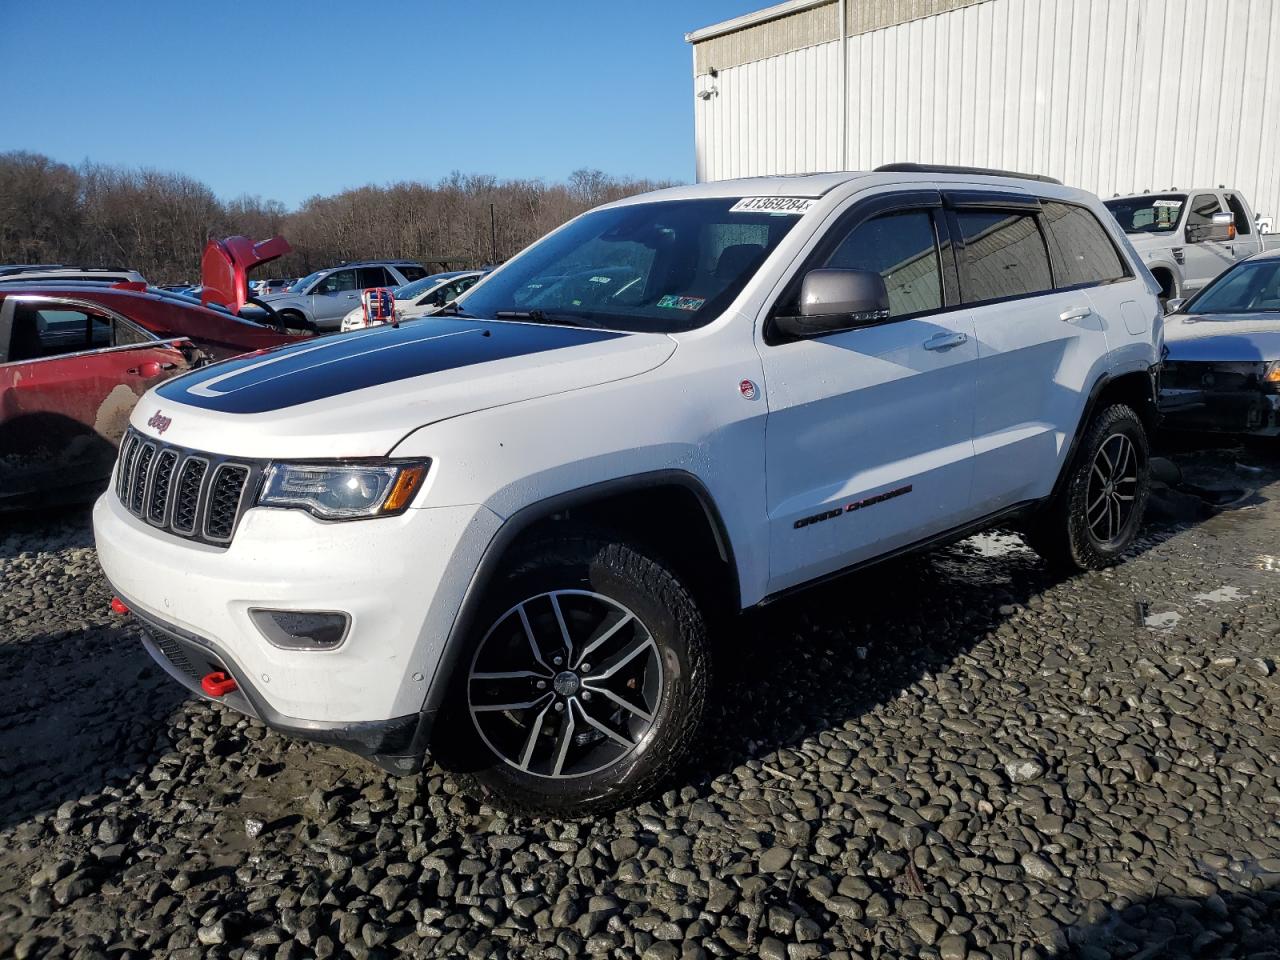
pixel 1096 516
pixel 588 678
pixel 293 320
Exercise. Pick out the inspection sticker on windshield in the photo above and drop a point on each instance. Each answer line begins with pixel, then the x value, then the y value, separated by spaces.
pixel 794 206
pixel 681 303
pixel 1166 203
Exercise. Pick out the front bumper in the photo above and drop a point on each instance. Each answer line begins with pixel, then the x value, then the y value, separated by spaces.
pixel 400 579
pixel 1218 397
pixel 1235 412
pixel 398 745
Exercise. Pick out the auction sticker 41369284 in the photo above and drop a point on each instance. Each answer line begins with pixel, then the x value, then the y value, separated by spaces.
pixel 792 206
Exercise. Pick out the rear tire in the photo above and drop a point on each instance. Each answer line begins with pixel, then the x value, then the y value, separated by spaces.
pixel 599 719
pixel 1098 512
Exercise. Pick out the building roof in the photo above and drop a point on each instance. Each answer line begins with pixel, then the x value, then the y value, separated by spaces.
pixel 752 19
pixel 796 24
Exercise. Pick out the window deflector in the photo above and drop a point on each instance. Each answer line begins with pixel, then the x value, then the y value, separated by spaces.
pixel 858 212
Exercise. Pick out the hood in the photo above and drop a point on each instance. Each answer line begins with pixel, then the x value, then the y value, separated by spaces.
pixel 360 393
pixel 1152 241
pixel 225 266
pixel 1222 336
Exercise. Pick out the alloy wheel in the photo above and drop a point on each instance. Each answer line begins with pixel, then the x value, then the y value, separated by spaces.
pixel 565 684
pixel 1113 486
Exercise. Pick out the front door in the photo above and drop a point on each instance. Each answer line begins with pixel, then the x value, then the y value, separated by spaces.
pixel 69 378
pixel 334 297
pixel 868 442
pixel 1205 259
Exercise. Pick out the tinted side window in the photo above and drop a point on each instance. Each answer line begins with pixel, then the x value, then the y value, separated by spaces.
pixel 376 277
pixel 1004 255
pixel 51 331
pixel 124 333
pixel 337 282
pixel 411 273
pixel 1243 227
pixel 1088 255
pixel 902 248
pixel 1203 207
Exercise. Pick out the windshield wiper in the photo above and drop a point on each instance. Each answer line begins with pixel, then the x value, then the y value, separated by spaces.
pixel 536 316
pixel 451 309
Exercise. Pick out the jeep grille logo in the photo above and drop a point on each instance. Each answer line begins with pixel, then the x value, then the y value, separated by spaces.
pixel 160 422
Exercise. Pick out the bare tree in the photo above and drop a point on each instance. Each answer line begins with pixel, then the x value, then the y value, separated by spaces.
pixel 158 222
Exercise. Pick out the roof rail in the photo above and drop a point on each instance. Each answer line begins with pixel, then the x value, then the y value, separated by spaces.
pixel 943 168
pixel 356 263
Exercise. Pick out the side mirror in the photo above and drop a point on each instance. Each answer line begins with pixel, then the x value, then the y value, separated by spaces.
pixel 1174 305
pixel 1221 227
pixel 833 300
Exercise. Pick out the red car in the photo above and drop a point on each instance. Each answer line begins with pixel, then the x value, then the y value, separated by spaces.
pixel 75 358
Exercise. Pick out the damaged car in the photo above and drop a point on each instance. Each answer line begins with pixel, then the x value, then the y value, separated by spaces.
pixel 75 357
pixel 1222 372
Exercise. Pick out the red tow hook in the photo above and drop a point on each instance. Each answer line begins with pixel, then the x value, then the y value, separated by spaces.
pixel 217 684
pixel 118 607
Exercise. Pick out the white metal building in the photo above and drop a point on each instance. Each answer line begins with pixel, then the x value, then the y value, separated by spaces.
pixel 1116 96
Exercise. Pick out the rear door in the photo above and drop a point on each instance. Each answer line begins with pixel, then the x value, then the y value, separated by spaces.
pixel 868 442
pixel 1040 349
pixel 70 375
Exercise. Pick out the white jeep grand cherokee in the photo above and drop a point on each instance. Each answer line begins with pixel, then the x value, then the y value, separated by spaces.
pixel 501 533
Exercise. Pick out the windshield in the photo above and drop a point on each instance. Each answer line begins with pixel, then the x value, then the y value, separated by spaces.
pixel 658 267
pixel 302 285
pixel 250 314
pixel 411 290
pixel 1252 286
pixel 1155 213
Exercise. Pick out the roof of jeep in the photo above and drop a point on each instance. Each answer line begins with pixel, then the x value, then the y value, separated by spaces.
pixel 785 185
pixel 820 184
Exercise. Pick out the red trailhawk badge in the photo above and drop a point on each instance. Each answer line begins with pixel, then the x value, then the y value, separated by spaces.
pixel 159 422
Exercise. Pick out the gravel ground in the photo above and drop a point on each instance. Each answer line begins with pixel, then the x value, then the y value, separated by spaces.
pixel 953 756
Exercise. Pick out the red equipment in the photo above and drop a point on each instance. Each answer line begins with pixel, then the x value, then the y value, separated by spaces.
pixel 379 305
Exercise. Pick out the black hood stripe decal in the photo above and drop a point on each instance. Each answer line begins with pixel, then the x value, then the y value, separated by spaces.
pixel 317 369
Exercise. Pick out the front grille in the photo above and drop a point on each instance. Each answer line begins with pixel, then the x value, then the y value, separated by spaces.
pixel 196 495
pixel 190 480
pixel 161 481
pixel 224 500
pixel 1212 376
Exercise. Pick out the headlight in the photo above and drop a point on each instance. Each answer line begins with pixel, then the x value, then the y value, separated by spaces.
pixel 1271 378
pixel 343 491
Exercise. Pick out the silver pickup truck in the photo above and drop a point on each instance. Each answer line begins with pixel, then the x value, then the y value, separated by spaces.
pixel 1186 238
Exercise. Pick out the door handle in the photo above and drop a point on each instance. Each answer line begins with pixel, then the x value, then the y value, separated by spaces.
pixel 945 341
pixel 1075 313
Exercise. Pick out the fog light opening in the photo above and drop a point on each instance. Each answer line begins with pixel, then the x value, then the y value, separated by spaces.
pixel 302 629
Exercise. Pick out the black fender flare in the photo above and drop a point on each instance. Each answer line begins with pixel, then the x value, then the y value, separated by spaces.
pixel 456 642
pixel 1100 386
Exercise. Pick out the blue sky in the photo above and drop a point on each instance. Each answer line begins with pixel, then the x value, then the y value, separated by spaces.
pixel 303 98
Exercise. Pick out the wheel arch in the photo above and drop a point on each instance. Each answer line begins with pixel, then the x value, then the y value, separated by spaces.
pixel 601 504
pixel 1168 277
pixel 298 311
pixel 1138 388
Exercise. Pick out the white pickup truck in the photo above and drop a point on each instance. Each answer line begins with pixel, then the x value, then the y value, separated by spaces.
pixel 1186 238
